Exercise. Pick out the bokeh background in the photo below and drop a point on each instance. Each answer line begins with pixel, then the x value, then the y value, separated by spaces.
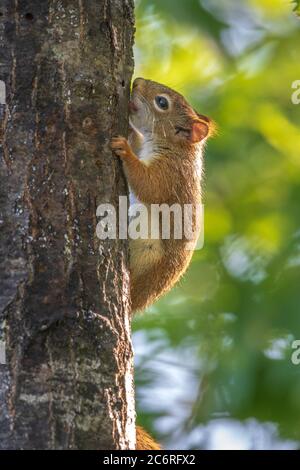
pixel 213 358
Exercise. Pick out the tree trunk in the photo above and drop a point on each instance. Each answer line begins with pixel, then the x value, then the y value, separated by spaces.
pixel 66 372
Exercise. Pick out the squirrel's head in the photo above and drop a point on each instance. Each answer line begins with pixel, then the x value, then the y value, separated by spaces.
pixel 158 110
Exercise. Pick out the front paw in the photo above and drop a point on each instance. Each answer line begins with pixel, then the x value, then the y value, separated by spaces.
pixel 121 147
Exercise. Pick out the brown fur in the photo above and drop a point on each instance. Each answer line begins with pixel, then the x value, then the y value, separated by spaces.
pixel 160 162
pixel 144 441
pixel 170 142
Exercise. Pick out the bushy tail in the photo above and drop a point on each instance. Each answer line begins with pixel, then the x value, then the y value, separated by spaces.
pixel 144 441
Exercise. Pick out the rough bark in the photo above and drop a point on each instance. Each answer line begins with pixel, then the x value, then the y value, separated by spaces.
pixel 64 309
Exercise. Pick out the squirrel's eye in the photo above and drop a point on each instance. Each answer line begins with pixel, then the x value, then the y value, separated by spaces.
pixel 162 102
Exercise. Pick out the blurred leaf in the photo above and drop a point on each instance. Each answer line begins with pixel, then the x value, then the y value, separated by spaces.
pixel 297 6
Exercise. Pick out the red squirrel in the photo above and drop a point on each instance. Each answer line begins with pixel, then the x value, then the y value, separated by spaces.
pixel 162 160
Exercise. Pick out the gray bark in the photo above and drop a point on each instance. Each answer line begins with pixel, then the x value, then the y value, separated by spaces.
pixel 64 304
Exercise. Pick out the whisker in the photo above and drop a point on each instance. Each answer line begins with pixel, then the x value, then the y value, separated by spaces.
pixel 153 122
pixel 142 98
pixel 172 125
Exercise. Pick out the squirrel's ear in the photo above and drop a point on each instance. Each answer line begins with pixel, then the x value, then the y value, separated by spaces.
pixel 199 131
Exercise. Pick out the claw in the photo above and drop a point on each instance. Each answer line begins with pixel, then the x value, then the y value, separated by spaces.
pixel 121 146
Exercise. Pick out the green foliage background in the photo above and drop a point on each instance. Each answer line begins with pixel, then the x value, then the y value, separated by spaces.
pixel 215 354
